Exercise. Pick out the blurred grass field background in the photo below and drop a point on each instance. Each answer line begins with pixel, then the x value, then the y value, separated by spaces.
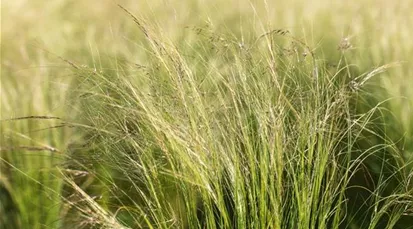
pixel 206 114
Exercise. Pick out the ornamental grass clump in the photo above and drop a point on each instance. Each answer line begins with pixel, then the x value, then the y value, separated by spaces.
pixel 219 133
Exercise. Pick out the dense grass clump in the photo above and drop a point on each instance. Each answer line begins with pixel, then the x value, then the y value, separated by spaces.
pixel 207 125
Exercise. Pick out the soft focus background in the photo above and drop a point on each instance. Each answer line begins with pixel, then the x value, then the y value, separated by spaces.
pixel 99 128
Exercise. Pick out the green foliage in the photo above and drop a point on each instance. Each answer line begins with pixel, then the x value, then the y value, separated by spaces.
pixel 227 121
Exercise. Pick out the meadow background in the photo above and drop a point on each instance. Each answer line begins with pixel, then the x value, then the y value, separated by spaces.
pixel 206 114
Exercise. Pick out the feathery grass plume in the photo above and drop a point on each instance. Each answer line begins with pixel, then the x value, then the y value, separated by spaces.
pixel 263 149
pixel 265 116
